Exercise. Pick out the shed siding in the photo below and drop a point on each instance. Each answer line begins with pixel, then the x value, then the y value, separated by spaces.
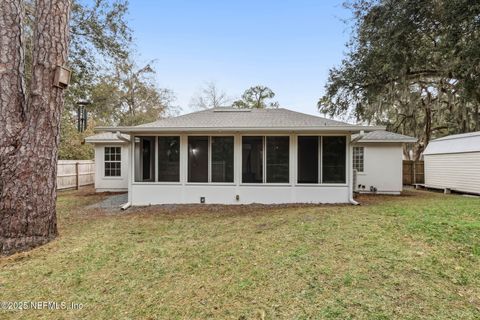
pixel 455 171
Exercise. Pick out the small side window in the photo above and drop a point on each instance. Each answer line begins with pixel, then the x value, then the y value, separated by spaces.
pixel 113 161
pixel 358 159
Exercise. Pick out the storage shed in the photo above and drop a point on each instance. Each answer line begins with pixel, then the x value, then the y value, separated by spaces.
pixel 453 163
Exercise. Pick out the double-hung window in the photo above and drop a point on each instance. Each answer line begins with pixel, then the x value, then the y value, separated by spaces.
pixel 113 161
pixel 358 159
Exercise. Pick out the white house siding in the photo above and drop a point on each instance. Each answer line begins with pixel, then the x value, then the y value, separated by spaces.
pixel 114 184
pixel 163 194
pixel 455 171
pixel 382 167
pixel 146 193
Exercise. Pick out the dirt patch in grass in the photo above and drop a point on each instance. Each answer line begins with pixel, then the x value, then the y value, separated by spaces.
pixel 188 210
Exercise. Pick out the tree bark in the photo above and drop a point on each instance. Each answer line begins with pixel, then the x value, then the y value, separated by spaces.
pixel 30 124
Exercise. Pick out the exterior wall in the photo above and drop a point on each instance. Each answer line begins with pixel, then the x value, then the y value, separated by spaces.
pixel 455 171
pixel 382 167
pixel 114 184
pixel 146 193
pixel 168 194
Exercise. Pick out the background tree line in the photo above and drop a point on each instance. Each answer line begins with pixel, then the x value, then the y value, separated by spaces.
pixel 106 74
pixel 412 65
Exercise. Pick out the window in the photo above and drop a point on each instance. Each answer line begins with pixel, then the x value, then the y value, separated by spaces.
pixel 252 159
pixel 278 156
pixel 197 159
pixel 334 159
pixel 358 159
pixel 168 159
pixel 113 162
pixel 307 169
pixel 222 159
pixel 144 159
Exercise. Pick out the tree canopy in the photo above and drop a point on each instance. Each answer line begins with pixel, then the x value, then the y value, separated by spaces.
pixel 101 56
pixel 256 98
pixel 412 65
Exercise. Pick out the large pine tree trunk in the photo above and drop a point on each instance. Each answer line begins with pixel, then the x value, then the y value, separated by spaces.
pixel 30 124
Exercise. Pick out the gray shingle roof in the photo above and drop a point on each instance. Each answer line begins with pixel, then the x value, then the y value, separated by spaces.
pixel 105 137
pixel 244 118
pixel 225 119
pixel 384 136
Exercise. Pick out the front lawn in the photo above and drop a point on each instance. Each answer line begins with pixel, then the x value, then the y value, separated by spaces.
pixel 414 256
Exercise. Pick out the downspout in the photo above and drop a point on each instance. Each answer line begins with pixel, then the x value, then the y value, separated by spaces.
pixel 120 137
pixel 357 138
pixel 126 206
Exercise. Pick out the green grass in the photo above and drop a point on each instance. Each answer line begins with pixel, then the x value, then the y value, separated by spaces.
pixel 411 257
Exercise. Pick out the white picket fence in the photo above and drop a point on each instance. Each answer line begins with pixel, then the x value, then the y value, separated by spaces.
pixel 75 173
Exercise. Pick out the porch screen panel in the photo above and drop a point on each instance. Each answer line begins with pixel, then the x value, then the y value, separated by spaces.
pixel 144 159
pixel 222 159
pixel 169 159
pixel 252 159
pixel 197 159
pixel 307 156
pixel 278 156
pixel 334 150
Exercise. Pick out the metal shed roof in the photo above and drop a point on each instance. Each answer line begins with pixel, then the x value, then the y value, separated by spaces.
pixel 458 143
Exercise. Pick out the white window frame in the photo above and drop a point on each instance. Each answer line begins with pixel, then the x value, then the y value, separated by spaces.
pixel 112 161
pixel 363 159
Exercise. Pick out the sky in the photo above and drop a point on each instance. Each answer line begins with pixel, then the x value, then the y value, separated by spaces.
pixel 286 45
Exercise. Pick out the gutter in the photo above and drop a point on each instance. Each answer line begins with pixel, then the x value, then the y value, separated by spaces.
pixel 391 141
pixel 120 137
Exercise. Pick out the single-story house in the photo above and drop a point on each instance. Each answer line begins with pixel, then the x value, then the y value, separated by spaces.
pixel 240 156
pixel 453 163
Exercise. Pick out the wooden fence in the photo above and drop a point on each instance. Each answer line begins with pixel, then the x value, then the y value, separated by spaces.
pixel 413 172
pixel 75 173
